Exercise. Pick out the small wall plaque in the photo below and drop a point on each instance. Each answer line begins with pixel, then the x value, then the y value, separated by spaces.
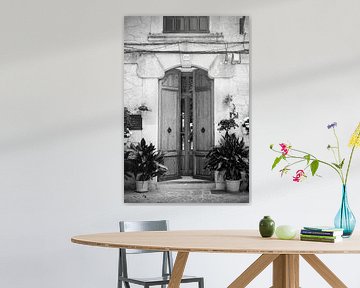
pixel 135 122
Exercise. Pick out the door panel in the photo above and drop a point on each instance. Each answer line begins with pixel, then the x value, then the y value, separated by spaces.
pixel 186 123
pixel 169 122
pixel 203 122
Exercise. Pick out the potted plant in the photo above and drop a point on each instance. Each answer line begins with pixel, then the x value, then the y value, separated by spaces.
pixel 227 124
pixel 147 163
pixel 143 108
pixel 246 125
pixel 127 124
pixel 235 159
pixel 215 163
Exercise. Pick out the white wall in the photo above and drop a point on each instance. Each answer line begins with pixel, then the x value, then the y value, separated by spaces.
pixel 61 127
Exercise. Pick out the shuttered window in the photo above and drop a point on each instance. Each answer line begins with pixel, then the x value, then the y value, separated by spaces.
pixel 186 24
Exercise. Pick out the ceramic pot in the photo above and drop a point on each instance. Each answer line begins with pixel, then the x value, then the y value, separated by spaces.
pixel 142 186
pixel 219 180
pixel 267 227
pixel 232 185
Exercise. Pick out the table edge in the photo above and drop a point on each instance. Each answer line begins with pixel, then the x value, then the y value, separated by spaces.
pixel 206 250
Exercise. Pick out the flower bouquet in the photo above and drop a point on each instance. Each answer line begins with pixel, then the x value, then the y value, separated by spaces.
pixel 293 157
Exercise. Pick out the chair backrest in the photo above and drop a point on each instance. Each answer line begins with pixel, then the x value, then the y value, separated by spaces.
pixel 137 226
pixel 133 226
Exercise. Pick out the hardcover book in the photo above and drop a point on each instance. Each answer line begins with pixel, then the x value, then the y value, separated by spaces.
pixel 323 228
pixel 320 237
pixel 321 233
pixel 325 240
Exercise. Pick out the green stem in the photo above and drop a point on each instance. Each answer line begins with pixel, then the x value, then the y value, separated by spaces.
pixel 333 152
pixel 304 152
pixel 296 162
pixel 320 161
pixel 348 167
pixel 314 158
pixel 339 155
pixel 338 145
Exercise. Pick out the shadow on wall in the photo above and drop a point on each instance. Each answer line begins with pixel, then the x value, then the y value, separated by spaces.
pixel 311 74
pixel 68 130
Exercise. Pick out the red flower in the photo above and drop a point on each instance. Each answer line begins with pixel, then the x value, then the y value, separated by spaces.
pixel 300 174
pixel 284 148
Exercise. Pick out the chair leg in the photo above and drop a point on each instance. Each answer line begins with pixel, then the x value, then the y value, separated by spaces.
pixel 126 284
pixel 201 283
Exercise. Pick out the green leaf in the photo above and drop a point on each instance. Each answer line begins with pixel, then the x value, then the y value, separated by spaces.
pixel 336 165
pixel 307 157
pixel 314 166
pixel 276 161
pixel 284 170
pixel 342 163
pixel 339 166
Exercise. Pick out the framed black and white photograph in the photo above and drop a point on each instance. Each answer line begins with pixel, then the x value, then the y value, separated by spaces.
pixel 186 109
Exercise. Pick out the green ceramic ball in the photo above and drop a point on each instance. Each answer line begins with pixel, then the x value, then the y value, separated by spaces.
pixel 285 232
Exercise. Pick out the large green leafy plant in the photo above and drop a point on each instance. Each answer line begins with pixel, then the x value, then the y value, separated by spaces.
pixel 215 159
pixel 147 162
pixel 234 156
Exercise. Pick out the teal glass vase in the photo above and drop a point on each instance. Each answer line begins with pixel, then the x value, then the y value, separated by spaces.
pixel 345 219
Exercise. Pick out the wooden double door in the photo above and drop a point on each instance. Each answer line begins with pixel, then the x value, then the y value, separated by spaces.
pixel 186 122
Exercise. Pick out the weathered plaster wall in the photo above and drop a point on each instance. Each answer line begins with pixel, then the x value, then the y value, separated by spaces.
pixel 141 91
pixel 228 26
pixel 238 87
pixel 142 72
pixel 138 28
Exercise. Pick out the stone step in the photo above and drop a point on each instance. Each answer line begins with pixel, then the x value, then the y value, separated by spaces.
pixel 186 185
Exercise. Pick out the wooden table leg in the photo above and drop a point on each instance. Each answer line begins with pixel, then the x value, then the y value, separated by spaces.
pixel 286 271
pixel 253 270
pixel 178 270
pixel 324 271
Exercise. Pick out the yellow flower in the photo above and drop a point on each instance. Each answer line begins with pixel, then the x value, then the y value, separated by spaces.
pixel 355 137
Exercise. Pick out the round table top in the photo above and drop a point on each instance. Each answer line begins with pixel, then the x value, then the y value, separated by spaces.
pixel 219 241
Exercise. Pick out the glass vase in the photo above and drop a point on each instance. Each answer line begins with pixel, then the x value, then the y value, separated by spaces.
pixel 345 219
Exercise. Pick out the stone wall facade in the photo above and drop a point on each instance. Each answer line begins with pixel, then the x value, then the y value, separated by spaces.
pixel 144 69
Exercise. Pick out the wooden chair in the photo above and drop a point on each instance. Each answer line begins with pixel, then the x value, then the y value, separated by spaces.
pixel 167 262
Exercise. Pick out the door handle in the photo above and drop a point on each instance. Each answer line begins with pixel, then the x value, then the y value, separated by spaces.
pixel 169 130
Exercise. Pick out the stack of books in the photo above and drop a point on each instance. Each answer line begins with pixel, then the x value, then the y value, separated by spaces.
pixel 321 234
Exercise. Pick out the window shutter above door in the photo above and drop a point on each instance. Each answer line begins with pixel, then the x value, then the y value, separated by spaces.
pixel 186 24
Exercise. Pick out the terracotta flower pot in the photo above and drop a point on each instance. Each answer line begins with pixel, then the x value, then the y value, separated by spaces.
pixel 142 186
pixel 233 185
